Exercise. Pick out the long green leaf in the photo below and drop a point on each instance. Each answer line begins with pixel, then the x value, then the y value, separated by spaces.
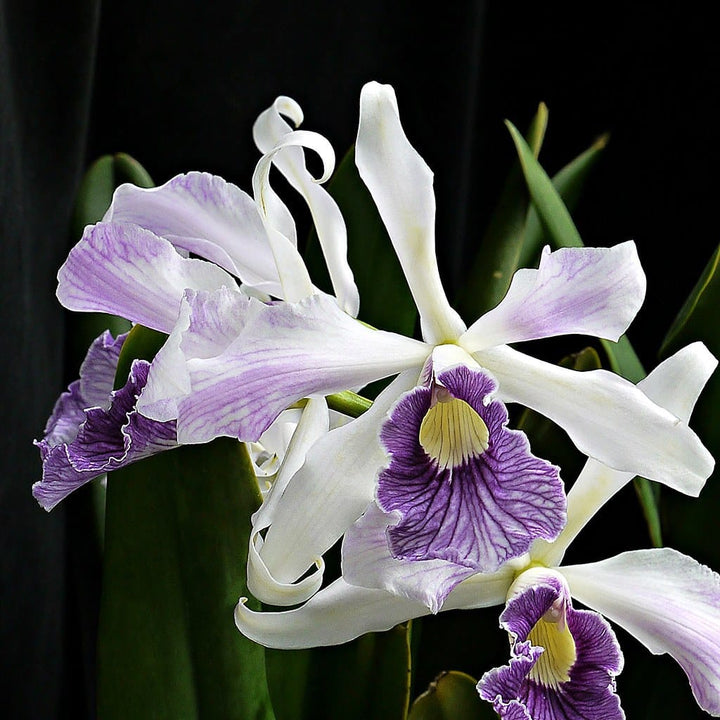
pixel 499 251
pixel 561 231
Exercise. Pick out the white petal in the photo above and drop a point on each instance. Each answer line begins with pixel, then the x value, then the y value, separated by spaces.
pixel 669 602
pixel 401 184
pixel 337 614
pixel 331 490
pixel 127 271
pixel 284 148
pixel 675 385
pixel 207 216
pixel 607 417
pixel 587 291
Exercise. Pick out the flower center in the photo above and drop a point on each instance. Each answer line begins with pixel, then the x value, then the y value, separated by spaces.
pixel 451 431
pixel 552 633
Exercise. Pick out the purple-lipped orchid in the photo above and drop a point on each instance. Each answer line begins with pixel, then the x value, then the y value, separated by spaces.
pixel 136 263
pixel 563 660
pixel 457 484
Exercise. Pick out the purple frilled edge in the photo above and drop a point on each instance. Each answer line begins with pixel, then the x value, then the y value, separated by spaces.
pixel 589 691
pixel 94 429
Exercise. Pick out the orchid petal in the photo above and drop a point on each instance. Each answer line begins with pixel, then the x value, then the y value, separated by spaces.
pixel 401 185
pixel 128 271
pixel 205 215
pixel 282 353
pixel 337 614
pixel 331 490
pixel 277 140
pixel 669 602
pixel 366 561
pixel 675 385
pixel 588 291
pixel 607 417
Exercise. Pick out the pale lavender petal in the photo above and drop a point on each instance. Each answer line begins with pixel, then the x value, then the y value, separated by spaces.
pixel 476 512
pixel 588 691
pixel 205 215
pixel 284 352
pixel 127 271
pixel 92 389
pixel 401 185
pixel 669 602
pixel 607 417
pixel 107 439
pixel 586 291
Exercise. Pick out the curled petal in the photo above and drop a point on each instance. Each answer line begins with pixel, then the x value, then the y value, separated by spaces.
pixel 587 291
pixel 128 271
pixel 337 614
pixel 668 601
pixel 204 215
pixel 401 185
pixel 607 417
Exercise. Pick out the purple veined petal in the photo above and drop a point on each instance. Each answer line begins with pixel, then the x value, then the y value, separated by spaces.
pixel 207 324
pixel 563 661
pixel 338 613
pixel 285 352
pixel 469 500
pixel 401 185
pixel 669 602
pixel 128 271
pixel 366 561
pixel 284 147
pixel 205 215
pixel 586 291
pixel 675 385
pixel 92 389
pixel 107 439
pixel 607 417
pixel 330 491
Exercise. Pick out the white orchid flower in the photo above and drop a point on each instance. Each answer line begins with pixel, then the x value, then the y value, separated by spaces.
pixel 563 659
pixel 235 363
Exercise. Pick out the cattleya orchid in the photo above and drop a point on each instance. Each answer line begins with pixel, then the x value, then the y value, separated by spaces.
pixel 564 660
pixel 457 485
pixel 136 264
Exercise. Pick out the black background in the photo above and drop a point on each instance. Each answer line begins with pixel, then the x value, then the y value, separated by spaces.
pixel 178 87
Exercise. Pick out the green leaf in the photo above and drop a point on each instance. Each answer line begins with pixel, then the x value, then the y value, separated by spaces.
pixel 451 696
pixel 177 534
pixel 561 231
pixel 385 299
pixel 499 251
pixel 553 214
pixel 692 525
pixel 367 678
pixel 568 183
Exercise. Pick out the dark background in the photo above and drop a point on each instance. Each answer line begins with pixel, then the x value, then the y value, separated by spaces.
pixel 178 87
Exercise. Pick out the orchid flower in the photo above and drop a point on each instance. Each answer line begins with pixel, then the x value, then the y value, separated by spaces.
pixel 135 264
pixel 447 420
pixel 564 660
